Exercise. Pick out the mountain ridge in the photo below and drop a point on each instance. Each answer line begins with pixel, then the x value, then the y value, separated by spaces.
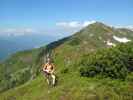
pixel 65 52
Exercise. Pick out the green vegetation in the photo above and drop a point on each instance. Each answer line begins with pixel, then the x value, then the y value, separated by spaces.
pixel 17 69
pixel 82 54
pixel 114 62
pixel 72 87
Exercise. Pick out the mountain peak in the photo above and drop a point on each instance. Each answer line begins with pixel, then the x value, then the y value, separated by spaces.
pixel 98 23
pixel 96 27
pixel 93 22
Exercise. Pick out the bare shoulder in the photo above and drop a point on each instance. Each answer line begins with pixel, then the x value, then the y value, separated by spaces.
pixel 45 64
pixel 52 64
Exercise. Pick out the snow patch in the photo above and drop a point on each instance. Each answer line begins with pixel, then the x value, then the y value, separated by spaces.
pixel 110 43
pixel 122 40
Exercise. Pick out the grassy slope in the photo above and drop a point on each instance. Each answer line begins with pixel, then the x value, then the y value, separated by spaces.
pixel 15 64
pixel 72 87
pixel 65 55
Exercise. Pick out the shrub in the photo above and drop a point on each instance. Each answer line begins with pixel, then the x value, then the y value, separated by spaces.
pixel 114 62
pixel 64 70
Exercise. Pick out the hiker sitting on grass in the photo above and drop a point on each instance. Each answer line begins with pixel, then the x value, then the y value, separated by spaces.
pixel 48 70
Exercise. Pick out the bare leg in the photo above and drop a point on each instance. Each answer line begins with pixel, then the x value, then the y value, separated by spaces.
pixel 53 77
pixel 48 81
pixel 47 77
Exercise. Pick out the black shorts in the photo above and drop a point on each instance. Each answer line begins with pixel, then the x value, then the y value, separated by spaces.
pixel 46 73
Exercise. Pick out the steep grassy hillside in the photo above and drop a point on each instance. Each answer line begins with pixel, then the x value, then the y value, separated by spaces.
pixel 66 54
pixel 15 69
pixel 23 66
pixel 72 86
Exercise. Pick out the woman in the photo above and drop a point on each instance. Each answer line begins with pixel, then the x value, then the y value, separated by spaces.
pixel 48 70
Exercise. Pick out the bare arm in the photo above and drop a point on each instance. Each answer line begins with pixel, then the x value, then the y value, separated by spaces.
pixel 44 67
pixel 53 68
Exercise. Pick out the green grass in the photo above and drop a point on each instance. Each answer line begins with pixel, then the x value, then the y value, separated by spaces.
pixel 72 87
pixel 66 54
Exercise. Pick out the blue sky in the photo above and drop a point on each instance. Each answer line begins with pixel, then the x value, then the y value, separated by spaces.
pixel 49 15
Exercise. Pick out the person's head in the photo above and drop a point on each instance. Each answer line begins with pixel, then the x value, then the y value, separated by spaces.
pixel 49 60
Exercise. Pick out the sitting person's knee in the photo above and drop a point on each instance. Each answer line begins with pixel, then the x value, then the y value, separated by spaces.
pixel 53 76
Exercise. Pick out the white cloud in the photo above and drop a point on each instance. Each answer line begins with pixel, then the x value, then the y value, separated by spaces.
pixel 60 29
pixel 65 28
pixel 16 31
pixel 86 23
pixel 130 27
pixel 68 28
pixel 74 24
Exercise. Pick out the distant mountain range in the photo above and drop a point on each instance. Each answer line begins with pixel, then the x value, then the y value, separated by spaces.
pixel 12 44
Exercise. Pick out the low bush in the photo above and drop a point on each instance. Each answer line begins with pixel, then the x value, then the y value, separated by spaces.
pixel 114 62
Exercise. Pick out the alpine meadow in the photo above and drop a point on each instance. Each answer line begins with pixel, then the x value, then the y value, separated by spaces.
pixel 97 71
